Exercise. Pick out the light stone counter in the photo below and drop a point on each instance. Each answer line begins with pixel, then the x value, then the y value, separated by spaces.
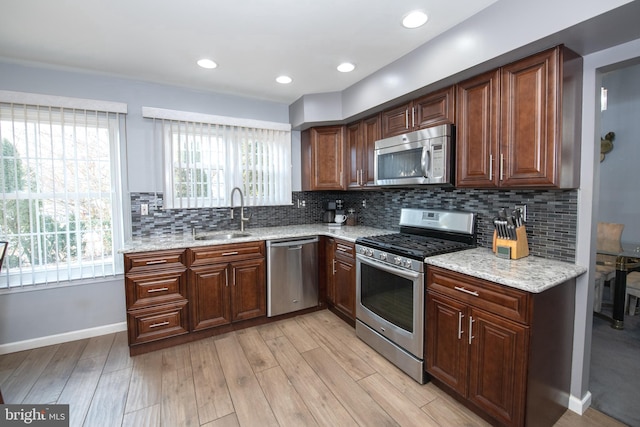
pixel 349 233
pixel 531 274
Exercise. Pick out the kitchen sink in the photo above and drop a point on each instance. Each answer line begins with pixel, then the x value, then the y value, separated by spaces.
pixel 222 236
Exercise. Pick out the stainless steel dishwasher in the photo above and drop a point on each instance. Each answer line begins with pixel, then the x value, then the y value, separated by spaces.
pixel 292 275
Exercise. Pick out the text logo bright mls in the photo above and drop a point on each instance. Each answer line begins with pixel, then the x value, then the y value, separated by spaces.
pixel 35 415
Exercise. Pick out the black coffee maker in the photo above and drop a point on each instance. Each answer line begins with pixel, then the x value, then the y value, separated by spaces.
pixel 329 214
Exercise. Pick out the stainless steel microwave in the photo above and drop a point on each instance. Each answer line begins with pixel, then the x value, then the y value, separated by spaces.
pixel 421 157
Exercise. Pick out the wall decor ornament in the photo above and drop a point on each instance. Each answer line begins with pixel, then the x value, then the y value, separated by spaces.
pixel 606 144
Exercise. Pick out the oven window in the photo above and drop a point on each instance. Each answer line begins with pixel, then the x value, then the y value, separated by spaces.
pixel 387 295
pixel 401 164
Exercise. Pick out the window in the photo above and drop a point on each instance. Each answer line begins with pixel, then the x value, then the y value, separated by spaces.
pixel 60 208
pixel 206 156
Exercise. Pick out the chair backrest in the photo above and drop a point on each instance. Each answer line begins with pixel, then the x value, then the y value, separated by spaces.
pixel 609 235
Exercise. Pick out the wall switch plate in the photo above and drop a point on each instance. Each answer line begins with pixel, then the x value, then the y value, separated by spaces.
pixel 144 209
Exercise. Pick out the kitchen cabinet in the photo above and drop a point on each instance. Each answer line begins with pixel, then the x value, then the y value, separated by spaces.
pixel 500 348
pixel 519 125
pixel 436 108
pixel 228 284
pixel 341 278
pixel 323 158
pixel 156 295
pixel 361 138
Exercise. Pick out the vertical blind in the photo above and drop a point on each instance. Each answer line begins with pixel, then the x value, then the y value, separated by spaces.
pixel 205 157
pixel 61 194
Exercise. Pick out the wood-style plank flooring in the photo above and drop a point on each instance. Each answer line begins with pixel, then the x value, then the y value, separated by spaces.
pixel 310 370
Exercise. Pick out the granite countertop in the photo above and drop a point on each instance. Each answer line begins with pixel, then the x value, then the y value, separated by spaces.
pixel 531 274
pixel 175 241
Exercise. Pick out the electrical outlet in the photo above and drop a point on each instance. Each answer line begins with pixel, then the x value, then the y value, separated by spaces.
pixel 364 203
pixel 523 209
pixel 144 209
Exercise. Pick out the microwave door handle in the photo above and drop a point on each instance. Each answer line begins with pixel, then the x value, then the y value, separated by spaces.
pixel 426 161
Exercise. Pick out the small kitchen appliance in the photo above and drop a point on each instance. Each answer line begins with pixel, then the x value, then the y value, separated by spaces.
pixel 330 213
pixel 390 271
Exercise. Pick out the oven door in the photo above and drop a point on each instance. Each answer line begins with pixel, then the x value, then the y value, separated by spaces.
pixel 390 301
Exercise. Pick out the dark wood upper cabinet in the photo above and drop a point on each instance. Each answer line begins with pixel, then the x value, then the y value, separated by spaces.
pixel 323 158
pixel 436 108
pixel 361 138
pixel 519 126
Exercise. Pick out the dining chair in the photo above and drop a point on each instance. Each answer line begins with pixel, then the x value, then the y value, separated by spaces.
pixel 608 240
pixel 633 292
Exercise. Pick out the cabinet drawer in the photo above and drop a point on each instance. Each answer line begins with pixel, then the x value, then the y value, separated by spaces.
pixel 346 249
pixel 144 290
pixel 146 261
pixel 501 300
pixel 225 253
pixel 150 324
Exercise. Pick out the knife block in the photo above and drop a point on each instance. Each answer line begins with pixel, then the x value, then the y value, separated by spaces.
pixel 519 247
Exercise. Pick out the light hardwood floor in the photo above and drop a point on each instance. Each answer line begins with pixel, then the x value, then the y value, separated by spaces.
pixel 309 370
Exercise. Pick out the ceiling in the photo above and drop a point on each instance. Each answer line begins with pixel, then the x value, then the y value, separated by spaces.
pixel 253 41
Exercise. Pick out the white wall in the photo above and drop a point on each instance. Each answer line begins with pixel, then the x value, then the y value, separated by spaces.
pixel 620 171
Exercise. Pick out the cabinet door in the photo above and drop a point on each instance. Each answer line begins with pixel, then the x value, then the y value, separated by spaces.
pixel 330 255
pixel 446 341
pixel 354 148
pixel 477 131
pixel 497 368
pixel 249 289
pixel 345 286
pixel 436 108
pixel 209 296
pixel 530 120
pixel 325 152
pixel 396 121
pixel 370 134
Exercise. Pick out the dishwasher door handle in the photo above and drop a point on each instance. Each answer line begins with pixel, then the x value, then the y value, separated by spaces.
pixel 292 243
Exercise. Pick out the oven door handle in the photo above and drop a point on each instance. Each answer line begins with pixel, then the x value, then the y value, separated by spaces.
pixel 409 274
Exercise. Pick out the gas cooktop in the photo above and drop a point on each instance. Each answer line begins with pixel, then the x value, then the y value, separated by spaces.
pixel 412 245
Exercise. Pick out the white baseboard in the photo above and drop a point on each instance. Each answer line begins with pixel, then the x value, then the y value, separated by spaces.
pixel 62 338
pixel 579 406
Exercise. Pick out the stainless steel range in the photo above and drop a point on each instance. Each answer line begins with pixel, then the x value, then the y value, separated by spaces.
pixel 390 282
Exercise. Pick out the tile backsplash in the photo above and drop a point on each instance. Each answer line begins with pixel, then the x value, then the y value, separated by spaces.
pixel 551 214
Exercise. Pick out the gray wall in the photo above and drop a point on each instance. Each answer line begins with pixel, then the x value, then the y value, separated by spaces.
pixel 620 171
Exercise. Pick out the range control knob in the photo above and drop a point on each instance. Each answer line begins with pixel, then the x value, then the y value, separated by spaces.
pixel 383 256
pixel 407 263
pixel 363 250
pixel 397 260
pixel 369 252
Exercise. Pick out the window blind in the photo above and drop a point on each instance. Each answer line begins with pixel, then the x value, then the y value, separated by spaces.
pixel 205 157
pixel 61 191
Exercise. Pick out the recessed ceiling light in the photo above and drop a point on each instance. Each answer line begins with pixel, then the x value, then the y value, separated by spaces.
pixel 415 19
pixel 207 63
pixel 284 80
pixel 346 67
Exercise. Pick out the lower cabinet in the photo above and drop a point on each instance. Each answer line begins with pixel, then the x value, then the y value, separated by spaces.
pixel 341 277
pixel 499 348
pixel 228 284
pixel 177 292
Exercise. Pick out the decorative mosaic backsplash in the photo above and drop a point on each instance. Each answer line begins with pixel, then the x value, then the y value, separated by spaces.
pixel 551 215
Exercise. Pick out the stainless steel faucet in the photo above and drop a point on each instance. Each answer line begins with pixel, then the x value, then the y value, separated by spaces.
pixel 242 217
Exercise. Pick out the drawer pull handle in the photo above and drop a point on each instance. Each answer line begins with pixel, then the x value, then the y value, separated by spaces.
pixel 160 261
pixel 230 253
pixel 466 291
pixel 157 290
pixel 157 325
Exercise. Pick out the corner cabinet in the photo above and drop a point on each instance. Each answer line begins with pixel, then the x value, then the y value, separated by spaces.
pixel 341 278
pixel 506 351
pixel 436 108
pixel 519 126
pixel 323 158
